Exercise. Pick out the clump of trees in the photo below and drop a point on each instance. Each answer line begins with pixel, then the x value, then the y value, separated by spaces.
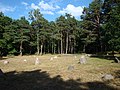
pixel 98 31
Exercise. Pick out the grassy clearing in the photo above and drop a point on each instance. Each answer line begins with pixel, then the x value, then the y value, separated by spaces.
pixel 54 74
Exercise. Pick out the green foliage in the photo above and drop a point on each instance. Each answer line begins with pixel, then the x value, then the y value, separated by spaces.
pixel 4 22
pixel 98 31
pixel 111 16
pixel 40 25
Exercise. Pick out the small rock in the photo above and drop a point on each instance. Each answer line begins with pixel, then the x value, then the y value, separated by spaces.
pixel 107 77
pixel 37 61
pixel 55 56
pixel 6 62
pixel 51 58
pixel 70 68
pixel 75 56
pixel 88 55
pixel 25 60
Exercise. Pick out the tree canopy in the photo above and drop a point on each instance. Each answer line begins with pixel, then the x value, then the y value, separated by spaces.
pixel 97 31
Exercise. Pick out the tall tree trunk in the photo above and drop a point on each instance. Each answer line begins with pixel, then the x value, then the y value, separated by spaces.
pixel 41 49
pixel 21 53
pixel 74 43
pixel 113 50
pixel 44 48
pixel 0 53
pixel 58 47
pixel 61 44
pixel 48 47
pixel 67 43
pixel 52 47
pixel 84 48
pixel 70 45
pixel 38 47
pixel 99 35
pixel 73 46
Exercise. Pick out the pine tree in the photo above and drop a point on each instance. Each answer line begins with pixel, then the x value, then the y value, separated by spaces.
pixel 91 22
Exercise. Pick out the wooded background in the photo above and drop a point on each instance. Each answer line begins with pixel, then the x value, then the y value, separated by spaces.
pixel 98 31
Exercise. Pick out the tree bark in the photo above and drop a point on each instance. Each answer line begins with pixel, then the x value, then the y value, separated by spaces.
pixel 84 48
pixel 52 47
pixel 38 47
pixel 67 43
pixel 44 47
pixel 58 48
pixel 74 44
pixel 21 53
pixel 41 49
pixel 61 45
pixel 99 35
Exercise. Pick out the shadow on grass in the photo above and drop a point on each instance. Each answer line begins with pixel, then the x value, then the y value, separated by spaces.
pixel 117 74
pixel 117 78
pixel 40 80
pixel 3 58
pixel 108 57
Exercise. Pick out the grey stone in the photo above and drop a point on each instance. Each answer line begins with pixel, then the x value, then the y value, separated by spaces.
pixel 107 77
pixel 82 60
pixel 70 68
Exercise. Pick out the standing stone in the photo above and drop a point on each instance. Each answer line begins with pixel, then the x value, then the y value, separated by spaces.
pixel 70 68
pixel 107 77
pixel 6 62
pixel 51 58
pixel 37 61
pixel 82 60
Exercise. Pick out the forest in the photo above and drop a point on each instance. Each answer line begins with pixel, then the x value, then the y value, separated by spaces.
pixel 98 31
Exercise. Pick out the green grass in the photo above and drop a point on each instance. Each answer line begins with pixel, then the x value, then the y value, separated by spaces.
pixel 54 74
